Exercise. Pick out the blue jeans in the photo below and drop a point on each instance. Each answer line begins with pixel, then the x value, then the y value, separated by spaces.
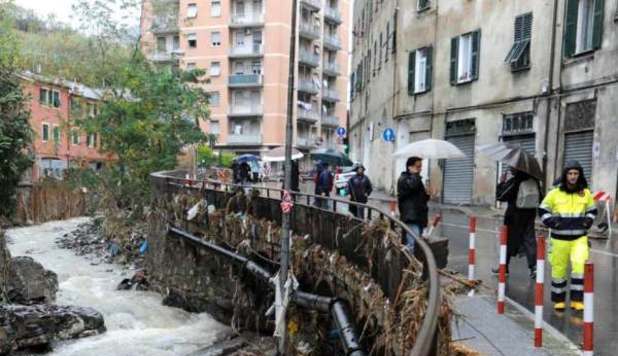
pixel 418 230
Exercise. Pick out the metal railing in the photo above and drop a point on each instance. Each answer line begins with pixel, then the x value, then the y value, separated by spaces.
pixel 309 58
pixel 246 19
pixel 244 139
pixel 246 110
pixel 332 42
pixel 331 67
pixel 244 80
pixel 308 115
pixel 330 120
pixel 309 30
pixel 169 181
pixel 330 94
pixel 307 86
pixel 254 50
pixel 332 14
pixel 316 4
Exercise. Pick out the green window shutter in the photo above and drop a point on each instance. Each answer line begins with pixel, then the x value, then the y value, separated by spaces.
pixel 597 32
pixel 454 55
pixel 527 27
pixel 476 53
pixel 411 65
pixel 570 28
pixel 429 69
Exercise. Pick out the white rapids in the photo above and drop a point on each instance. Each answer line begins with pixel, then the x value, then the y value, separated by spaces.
pixel 137 323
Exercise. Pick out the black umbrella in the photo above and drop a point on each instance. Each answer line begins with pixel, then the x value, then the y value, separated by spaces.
pixel 515 156
pixel 331 156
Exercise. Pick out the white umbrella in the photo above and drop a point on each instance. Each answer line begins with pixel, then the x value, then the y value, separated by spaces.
pixel 278 155
pixel 431 149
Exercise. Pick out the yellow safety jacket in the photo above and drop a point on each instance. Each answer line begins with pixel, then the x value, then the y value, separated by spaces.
pixel 569 215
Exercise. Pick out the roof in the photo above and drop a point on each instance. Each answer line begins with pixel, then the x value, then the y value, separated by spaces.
pixel 75 88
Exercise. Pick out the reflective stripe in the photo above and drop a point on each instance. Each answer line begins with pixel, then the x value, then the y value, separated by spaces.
pixel 546 216
pixel 577 276
pixel 591 216
pixel 558 282
pixel 577 287
pixel 569 232
pixel 558 290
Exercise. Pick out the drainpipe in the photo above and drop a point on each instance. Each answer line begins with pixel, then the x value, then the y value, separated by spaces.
pixel 395 95
pixel 552 55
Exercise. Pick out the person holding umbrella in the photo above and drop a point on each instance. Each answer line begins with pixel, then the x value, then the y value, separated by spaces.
pixel 412 198
pixel 360 188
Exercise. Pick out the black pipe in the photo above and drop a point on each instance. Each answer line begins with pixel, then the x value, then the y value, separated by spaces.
pixel 337 308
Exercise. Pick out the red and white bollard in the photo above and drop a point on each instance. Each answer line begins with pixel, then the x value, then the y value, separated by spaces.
pixel 472 251
pixel 538 292
pixel 588 309
pixel 502 270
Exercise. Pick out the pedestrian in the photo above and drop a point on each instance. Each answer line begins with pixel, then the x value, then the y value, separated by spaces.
pixel 324 185
pixel 235 172
pixel 522 193
pixel 569 211
pixel 412 198
pixel 360 188
pixel 245 172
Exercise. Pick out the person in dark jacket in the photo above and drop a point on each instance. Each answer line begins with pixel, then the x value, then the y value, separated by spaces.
pixel 519 221
pixel 412 198
pixel 324 185
pixel 245 173
pixel 235 172
pixel 360 188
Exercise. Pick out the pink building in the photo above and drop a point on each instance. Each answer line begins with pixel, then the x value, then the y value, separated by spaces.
pixel 244 47
pixel 57 145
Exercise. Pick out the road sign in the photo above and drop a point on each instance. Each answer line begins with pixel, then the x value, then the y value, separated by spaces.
pixel 389 135
pixel 341 132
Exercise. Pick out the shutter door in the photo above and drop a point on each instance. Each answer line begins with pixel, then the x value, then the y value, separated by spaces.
pixel 578 147
pixel 527 142
pixel 459 173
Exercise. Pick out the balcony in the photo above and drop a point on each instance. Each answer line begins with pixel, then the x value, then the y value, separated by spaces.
pixel 165 24
pixel 332 42
pixel 309 31
pixel 248 20
pixel 244 110
pixel 307 86
pixel 330 121
pixel 245 80
pixel 161 57
pixel 305 142
pixel 332 15
pixel 247 139
pixel 330 95
pixel 308 115
pixel 331 69
pixel 309 59
pixel 315 5
pixel 255 50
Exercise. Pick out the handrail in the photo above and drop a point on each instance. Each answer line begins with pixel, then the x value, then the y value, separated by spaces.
pixel 425 335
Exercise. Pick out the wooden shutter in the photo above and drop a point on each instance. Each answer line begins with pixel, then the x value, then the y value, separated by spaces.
pixel 597 32
pixel 476 53
pixel 454 59
pixel 570 28
pixel 411 65
pixel 428 68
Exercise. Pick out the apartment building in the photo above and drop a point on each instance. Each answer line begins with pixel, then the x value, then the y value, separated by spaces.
pixel 537 73
pixel 243 45
pixel 57 144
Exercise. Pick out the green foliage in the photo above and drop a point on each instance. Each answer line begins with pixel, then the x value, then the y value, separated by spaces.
pixel 227 159
pixel 206 157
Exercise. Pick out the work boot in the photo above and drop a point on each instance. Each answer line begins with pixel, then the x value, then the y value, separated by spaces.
pixel 578 306
pixel 559 306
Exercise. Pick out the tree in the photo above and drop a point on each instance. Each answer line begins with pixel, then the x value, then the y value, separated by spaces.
pixel 15 132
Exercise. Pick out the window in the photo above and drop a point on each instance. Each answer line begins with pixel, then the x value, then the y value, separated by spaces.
pixel 519 55
pixel 215 128
pixel 161 46
pixel 75 136
pixel 214 98
pixel 423 5
pixel 256 67
pixel 190 66
pixel 215 38
pixel 215 8
pixel 192 40
pixel 465 57
pixel 56 99
pixel 584 26
pixel 388 39
pixel 57 134
pixel 49 97
pixel 176 43
pixel 215 69
pixel 92 109
pixel 191 11
pixel 92 140
pixel 375 57
pixel 45 132
pixel 76 106
pixel 43 96
pixel 419 70
pixel 240 9
pixel 380 53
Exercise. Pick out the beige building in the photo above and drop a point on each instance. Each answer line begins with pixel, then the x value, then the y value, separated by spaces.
pixel 538 73
pixel 244 47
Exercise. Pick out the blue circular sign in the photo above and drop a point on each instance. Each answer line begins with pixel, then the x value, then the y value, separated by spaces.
pixel 341 132
pixel 389 135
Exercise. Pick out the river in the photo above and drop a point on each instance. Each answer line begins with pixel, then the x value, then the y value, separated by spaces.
pixel 137 323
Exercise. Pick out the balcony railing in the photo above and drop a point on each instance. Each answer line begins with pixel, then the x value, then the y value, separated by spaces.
pixel 246 51
pixel 161 57
pixel 309 58
pixel 314 4
pixel 249 109
pixel 332 42
pixel 311 115
pixel 309 30
pixel 332 14
pixel 244 139
pixel 331 68
pixel 330 95
pixel 307 86
pixel 246 20
pixel 165 24
pixel 305 142
pixel 245 80
pixel 330 120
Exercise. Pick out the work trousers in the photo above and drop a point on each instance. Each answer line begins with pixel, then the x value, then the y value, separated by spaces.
pixel 562 252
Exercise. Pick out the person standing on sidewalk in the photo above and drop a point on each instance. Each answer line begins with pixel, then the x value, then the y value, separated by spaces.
pixel 412 198
pixel 569 212
pixel 324 185
pixel 360 189
pixel 522 193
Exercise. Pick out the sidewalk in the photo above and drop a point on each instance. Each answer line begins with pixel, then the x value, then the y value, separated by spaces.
pixel 478 326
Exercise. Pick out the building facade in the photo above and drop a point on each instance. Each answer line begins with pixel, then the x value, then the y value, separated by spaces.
pixel 57 144
pixel 538 73
pixel 244 48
